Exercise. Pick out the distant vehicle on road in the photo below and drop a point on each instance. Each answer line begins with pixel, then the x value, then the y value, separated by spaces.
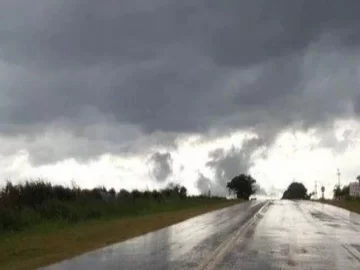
pixel 253 199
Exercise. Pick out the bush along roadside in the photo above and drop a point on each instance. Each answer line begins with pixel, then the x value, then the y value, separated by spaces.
pixel 32 202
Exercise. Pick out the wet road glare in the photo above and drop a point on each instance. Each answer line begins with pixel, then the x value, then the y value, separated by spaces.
pixel 252 235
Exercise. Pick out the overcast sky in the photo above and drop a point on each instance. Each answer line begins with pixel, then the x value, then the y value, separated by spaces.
pixel 140 93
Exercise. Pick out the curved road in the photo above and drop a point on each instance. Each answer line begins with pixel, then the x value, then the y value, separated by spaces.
pixel 252 235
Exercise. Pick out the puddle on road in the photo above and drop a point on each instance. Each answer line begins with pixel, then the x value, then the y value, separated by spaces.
pixel 334 225
pixel 322 216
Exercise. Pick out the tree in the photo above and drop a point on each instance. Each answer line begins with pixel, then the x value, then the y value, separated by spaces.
pixel 296 191
pixel 345 191
pixel 358 178
pixel 342 193
pixel 337 192
pixel 242 185
pixel 183 192
pixel 112 192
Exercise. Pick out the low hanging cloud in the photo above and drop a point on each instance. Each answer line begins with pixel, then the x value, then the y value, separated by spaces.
pixel 226 164
pixel 203 184
pixel 125 78
pixel 160 166
pixel 260 190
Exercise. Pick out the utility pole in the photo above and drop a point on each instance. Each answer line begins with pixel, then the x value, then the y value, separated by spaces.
pixel 338 174
pixel 315 193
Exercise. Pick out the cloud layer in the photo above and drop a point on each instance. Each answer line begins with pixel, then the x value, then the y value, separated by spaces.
pixel 79 79
pixel 160 166
pixel 226 164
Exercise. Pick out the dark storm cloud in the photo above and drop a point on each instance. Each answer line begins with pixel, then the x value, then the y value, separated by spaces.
pixel 203 184
pixel 227 164
pixel 259 30
pixel 357 104
pixel 160 166
pixel 112 73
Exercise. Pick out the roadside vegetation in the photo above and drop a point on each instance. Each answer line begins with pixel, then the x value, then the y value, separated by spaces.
pixel 342 193
pixel 342 198
pixel 243 186
pixel 351 204
pixel 30 203
pixel 296 191
pixel 41 223
pixel 34 202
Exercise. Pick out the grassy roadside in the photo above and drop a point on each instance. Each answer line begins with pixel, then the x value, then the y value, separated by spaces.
pixel 351 205
pixel 55 241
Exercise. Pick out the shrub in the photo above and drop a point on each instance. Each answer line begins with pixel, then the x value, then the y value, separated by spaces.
pixel 31 202
pixel 11 220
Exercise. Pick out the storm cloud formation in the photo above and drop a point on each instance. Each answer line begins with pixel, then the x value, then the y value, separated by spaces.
pixel 204 184
pixel 227 164
pixel 160 166
pixel 123 76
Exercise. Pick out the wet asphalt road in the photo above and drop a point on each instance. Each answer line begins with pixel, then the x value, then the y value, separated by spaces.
pixel 253 235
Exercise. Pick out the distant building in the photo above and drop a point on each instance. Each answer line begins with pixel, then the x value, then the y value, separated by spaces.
pixel 354 189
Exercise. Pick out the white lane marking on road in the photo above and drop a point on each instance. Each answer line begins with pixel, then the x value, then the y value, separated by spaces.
pixel 227 245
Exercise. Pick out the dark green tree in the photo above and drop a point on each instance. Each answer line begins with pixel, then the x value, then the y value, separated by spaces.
pixel 296 191
pixel 183 192
pixel 345 191
pixel 337 192
pixel 112 192
pixel 242 185
pixel 341 192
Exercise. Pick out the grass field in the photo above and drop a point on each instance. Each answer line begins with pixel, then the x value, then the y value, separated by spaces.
pixel 351 205
pixel 52 241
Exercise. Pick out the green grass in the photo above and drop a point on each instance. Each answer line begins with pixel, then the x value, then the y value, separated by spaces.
pixel 50 241
pixel 351 205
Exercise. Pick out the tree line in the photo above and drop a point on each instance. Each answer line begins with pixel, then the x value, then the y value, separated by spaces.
pixel 33 202
pixel 243 186
pixel 344 192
